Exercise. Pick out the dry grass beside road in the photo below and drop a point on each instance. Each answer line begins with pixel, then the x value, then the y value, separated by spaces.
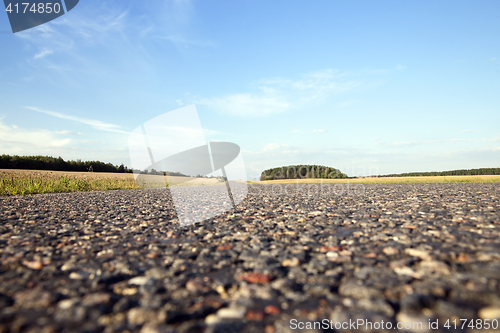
pixel 426 179
pixel 14 182
pixel 68 174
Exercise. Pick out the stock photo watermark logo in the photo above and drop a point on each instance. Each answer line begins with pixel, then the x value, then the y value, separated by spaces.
pixel 319 185
pixel 205 179
pixel 322 189
pixel 25 15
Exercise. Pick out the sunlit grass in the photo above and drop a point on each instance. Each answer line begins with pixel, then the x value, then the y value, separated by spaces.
pixel 23 182
pixel 19 185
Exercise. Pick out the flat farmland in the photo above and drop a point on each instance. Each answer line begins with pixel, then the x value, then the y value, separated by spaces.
pixel 69 174
pixel 423 179
pixel 14 182
pixel 96 176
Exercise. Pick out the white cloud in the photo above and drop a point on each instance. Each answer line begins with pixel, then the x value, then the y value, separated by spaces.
pixel 44 52
pixel 417 143
pixel 68 133
pixel 280 95
pixel 430 142
pixel 67 37
pixel 106 147
pixel 36 32
pixel 209 132
pixel 178 40
pixel 297 131
pixel 19 141
pixel 271 147
pixel 107 21
pixel 346 103
pixel 470 131
pixel 247 104
pixel 318 131
pixel 100 24
pixel 97 124
pixel 277 151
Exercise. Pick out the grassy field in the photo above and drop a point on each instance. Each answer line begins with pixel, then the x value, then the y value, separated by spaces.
pixel 15 182
pixel 428 179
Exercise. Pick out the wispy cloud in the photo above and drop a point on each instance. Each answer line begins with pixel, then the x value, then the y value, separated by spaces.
pixel 318 131
pixel 97 124
pixel 68 133
pixel 247 104
pixel 424 142
pixel 16 140
pixel 470 131
pixel 66 38
pixel 271 147
pixel 416 143
pixel 313 87
pixel 209 132
pixel 279 95
pixel 107 21
pixel 36 32
pixel 184 41
pixel 124 28
pixel 101 24
pixel 44 52
pixel 345 104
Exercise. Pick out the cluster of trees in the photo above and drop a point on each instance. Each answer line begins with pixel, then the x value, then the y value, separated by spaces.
pixel 301 171
pixel 57 164
pixel 160 173
pixel 463 172
pixel 220 178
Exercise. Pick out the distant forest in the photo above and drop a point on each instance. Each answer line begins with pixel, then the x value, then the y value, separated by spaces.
pixel 463 172
pixel 301 171
pixel 57 164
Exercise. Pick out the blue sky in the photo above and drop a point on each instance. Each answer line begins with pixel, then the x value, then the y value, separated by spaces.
pixel 369 87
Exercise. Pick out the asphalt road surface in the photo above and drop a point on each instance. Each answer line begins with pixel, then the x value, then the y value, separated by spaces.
pixel 307 259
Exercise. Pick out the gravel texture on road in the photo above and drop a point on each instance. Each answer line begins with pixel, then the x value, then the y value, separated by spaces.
pixel 286 258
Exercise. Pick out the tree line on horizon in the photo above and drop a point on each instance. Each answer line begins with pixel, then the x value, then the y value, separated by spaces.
pixel 58 164
pixel 302 171
pixel 462 172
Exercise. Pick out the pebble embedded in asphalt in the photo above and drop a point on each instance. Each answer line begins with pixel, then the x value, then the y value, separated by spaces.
pixel 119 260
